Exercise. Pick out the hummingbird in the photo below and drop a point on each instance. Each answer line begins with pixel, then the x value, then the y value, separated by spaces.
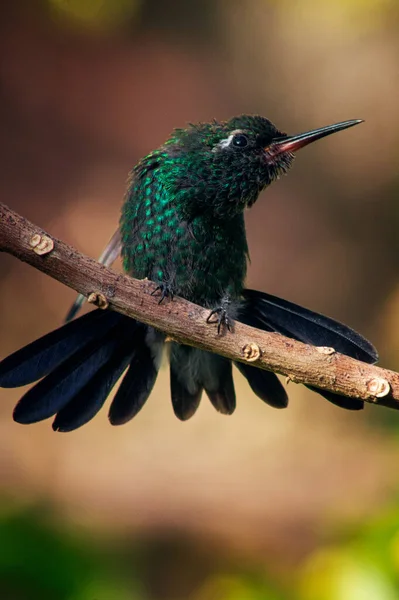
pixel 182 226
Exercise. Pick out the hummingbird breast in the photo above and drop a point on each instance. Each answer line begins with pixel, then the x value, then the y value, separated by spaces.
pixel 201 259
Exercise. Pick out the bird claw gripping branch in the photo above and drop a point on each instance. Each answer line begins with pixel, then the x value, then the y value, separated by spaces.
pixel 222 316
pixel 166 291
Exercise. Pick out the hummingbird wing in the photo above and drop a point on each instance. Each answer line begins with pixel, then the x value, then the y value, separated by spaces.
pixel 78 364
pixel 129 349
pixel 136 386
pixel 275 314
pixel 107 258
pixel 39 358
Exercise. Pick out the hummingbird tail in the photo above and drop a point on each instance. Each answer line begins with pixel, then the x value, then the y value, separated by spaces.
pixel 265 384
pixel 191 372
pixel 270 313
pixel 185 397
pixel 80 363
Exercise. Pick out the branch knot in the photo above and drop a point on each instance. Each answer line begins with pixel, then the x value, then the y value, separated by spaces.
pixel 41 244
pixel 98 300
pixel 251 352
pixel 378 387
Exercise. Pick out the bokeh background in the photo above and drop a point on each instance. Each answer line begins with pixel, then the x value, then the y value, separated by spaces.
pixel 299 504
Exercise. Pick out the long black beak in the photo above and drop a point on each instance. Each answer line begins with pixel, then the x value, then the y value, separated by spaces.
pixel 295 142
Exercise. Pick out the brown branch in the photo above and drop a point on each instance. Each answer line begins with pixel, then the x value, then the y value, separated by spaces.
pixel 186 322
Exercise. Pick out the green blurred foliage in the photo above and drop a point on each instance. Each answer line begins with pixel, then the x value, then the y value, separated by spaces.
pixel 38 560
pixel 364 565
pixel 238 586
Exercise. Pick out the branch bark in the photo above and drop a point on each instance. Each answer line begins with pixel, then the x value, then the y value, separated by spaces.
pixel 185 322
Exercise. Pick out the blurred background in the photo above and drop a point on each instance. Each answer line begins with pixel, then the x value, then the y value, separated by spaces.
pixel 300 504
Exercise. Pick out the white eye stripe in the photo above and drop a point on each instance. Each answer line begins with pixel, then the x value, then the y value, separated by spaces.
pixel 226 142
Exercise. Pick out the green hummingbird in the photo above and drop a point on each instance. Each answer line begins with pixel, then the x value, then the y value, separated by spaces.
pixel 182 226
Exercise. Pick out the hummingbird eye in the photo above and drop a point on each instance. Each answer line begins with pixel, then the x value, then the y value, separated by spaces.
pixel 240 140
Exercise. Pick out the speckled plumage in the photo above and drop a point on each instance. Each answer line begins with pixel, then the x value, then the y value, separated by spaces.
pixel 182 221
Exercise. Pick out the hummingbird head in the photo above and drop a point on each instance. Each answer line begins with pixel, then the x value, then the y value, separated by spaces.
pixel 220 168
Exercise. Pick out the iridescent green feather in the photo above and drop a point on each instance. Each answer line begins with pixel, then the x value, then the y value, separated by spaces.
pixel 182 222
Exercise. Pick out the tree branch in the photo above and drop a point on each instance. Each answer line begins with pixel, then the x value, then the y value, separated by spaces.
pixel 185 322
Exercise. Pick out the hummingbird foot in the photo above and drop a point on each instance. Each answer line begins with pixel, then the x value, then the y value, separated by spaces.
pixel 166 291
pixel 223 319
